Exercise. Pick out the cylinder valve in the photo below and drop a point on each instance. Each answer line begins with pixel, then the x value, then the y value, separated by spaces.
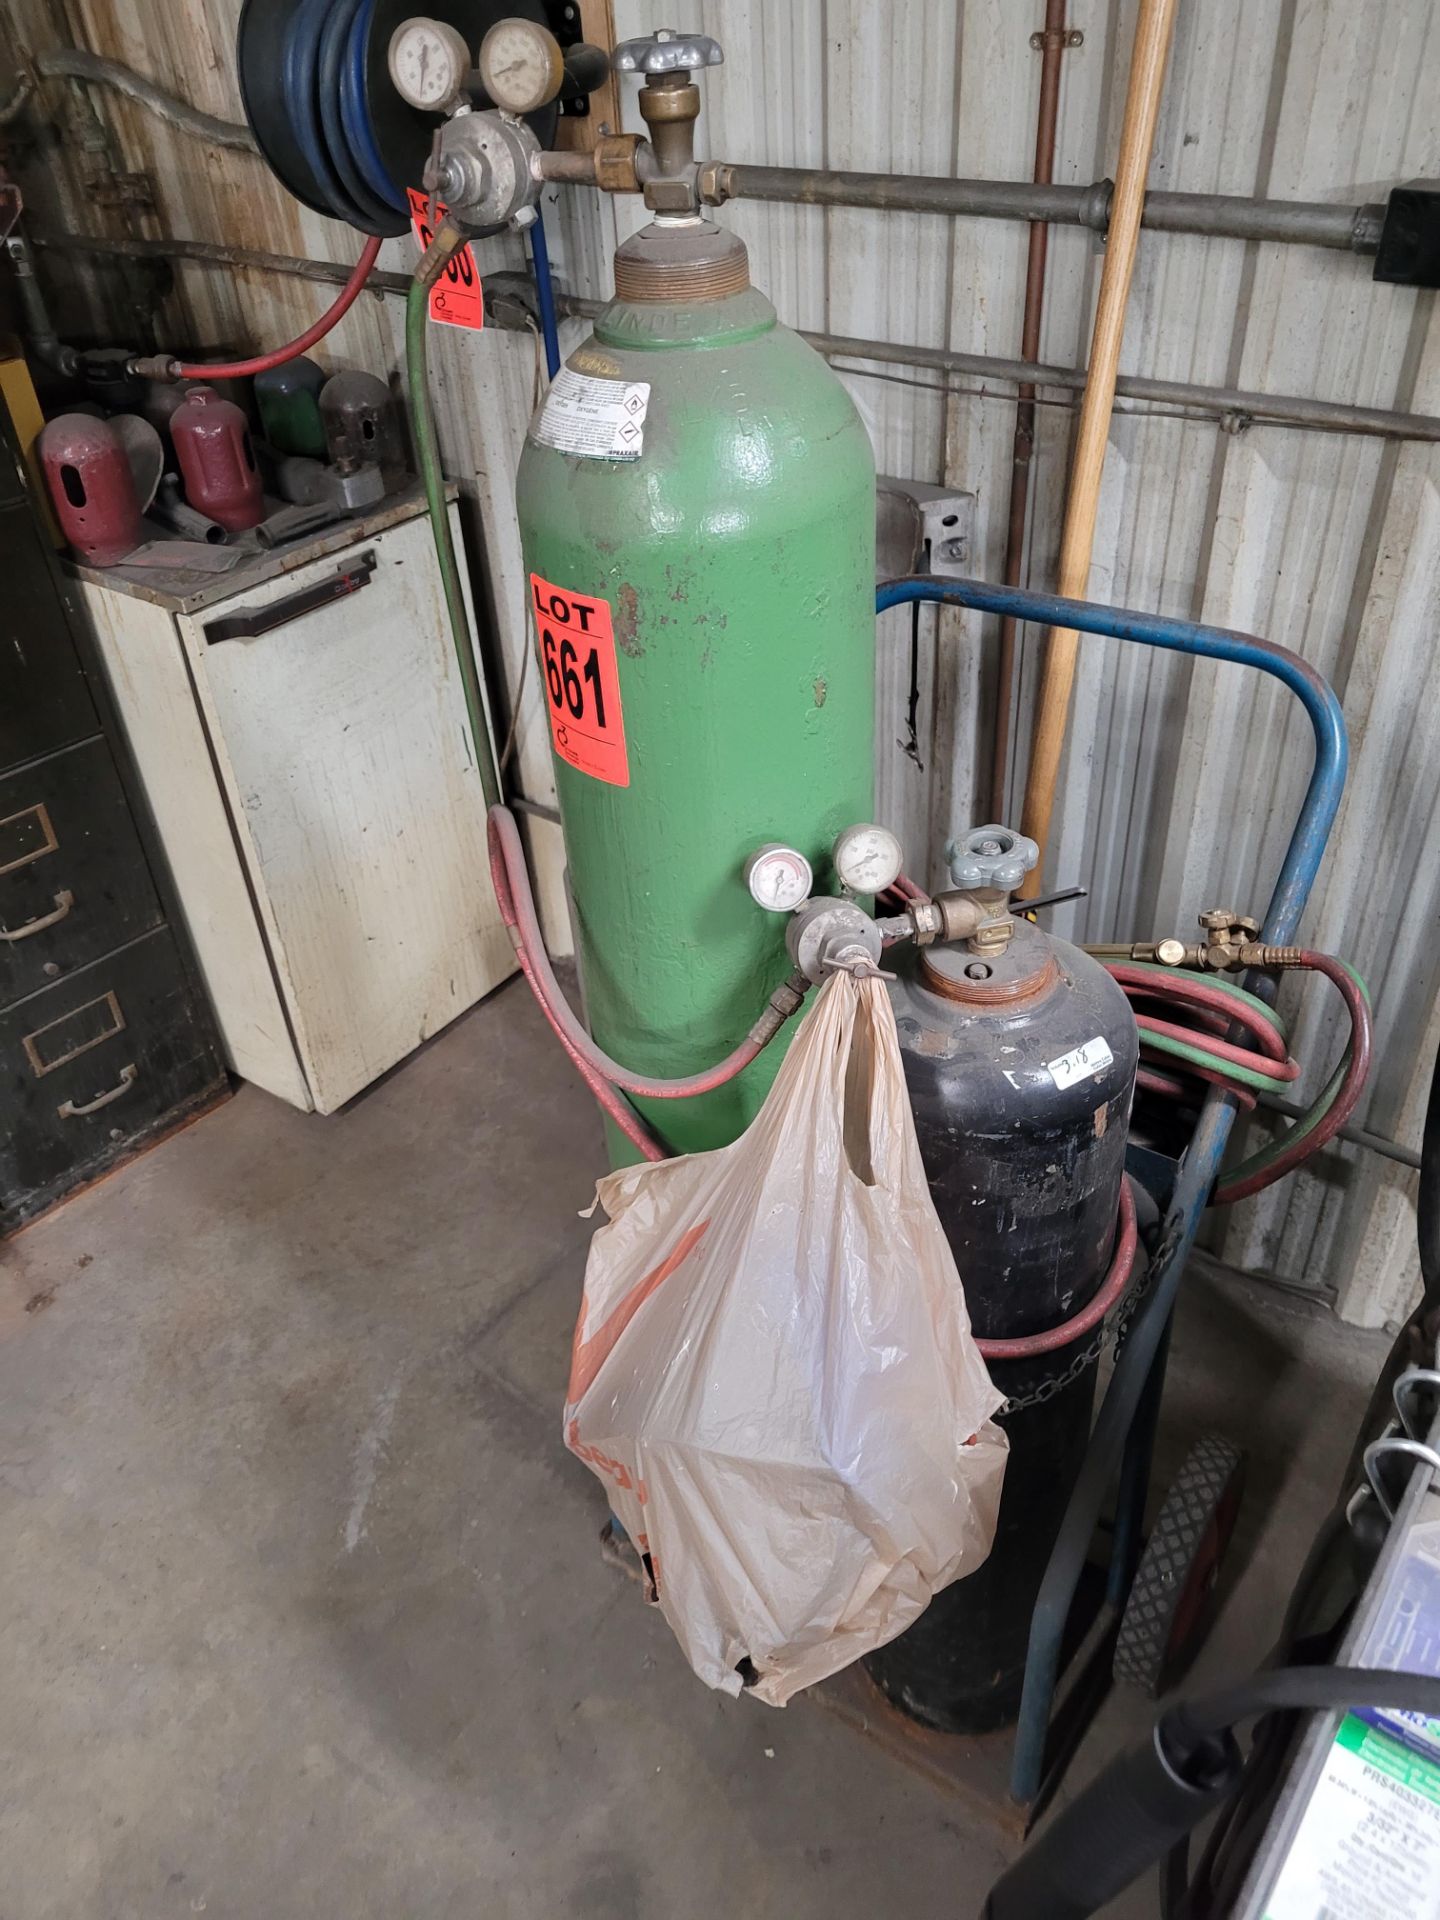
pixel 670 106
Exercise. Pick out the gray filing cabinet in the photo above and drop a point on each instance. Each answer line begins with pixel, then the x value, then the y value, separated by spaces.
pixel 105 1038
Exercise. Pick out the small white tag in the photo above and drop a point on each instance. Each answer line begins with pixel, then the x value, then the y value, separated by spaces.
pixel 593 419
pixel 1081 1062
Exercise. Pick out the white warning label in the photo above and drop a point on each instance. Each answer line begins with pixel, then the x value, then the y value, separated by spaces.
pixel 1081 1062
pixel 593 419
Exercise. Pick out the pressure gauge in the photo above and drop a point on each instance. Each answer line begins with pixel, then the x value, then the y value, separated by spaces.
pixel 778 878
pixel 429 63
pixel 521 65
pixel 867 859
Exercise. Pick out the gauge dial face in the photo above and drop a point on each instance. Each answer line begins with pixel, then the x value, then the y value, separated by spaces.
pixel 778 878
pixel 521 65
pixel 867 859
pixel 429 62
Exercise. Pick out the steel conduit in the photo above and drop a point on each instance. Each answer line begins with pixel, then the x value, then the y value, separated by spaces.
pixel 1312 223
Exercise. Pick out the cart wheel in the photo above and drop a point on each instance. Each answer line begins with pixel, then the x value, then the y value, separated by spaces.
pixel 1168 1612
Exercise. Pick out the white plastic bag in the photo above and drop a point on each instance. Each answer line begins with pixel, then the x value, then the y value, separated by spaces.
pixel 774 1376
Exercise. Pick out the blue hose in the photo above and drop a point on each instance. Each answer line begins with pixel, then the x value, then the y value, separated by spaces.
pixel 1145 1338
pixel 545 293
pixel 1327 776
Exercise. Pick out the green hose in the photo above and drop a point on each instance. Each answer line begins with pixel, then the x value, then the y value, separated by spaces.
pixel 1200 1056
pixel 1313 1115
pixel 1218 985
pixel 1265 1156
pixel 422 429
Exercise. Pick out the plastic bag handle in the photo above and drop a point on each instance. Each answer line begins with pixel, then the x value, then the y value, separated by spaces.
pixel 893 1149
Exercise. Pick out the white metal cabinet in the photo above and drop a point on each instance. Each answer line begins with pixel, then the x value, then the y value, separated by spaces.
pixel 317 800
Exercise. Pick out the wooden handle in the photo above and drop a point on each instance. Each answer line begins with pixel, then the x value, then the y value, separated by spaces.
pixel 1137 139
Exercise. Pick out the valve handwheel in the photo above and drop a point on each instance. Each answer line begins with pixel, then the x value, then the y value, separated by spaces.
pixel 666 51
pixel 1172 1600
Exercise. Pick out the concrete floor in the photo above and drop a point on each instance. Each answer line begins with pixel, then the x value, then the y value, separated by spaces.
pixel 303 1611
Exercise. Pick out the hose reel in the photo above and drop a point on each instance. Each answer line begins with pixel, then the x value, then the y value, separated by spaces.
pixel 326 113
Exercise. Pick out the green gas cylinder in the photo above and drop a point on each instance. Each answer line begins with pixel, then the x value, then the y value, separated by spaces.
pixel 697 512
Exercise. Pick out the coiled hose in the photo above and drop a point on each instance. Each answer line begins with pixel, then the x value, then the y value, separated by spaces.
pixel 1195 1043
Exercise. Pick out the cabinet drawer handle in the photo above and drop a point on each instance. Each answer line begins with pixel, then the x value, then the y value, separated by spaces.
pixel 64 900
pixel 68 1110
pixel 248 623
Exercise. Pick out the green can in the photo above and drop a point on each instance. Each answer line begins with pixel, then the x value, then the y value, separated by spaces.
pixel 697 511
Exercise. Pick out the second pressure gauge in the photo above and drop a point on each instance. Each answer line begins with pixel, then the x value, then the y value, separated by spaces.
pixel 868 859
pixel 429 63
pixel 778 878
pixel 521 65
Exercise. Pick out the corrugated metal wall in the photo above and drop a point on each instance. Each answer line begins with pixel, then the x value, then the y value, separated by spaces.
pixel 1181 780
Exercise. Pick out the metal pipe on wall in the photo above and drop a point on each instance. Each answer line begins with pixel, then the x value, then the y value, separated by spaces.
pixel 1053 41
pixel 1311 223
pixel 1353 229
pixel 79 63
pixel 1237 406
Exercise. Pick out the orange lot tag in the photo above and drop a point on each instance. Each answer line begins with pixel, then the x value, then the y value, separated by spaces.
pixel 582 681
pixel 457 298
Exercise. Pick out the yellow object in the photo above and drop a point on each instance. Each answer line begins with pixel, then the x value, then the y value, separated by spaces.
pixel 1137 139
pixel 21 404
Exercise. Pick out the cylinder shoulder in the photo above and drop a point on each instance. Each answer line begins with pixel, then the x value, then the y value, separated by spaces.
pixel 1071 1046
pixel 724 427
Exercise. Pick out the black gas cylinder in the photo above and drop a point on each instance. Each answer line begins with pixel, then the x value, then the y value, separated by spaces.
pixel 1021 1070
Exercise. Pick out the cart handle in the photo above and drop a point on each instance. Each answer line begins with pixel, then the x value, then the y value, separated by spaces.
pixel 1327 776
pixel 1202 1159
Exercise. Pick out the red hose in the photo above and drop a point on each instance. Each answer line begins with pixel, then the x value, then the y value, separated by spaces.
pixel 1028 1345
pixel 511 880
pixel 1200 993
pixel 242 369
pixel 1174 1088
pixel 1346 1100
pixel 615 1104
pixel 1278 1069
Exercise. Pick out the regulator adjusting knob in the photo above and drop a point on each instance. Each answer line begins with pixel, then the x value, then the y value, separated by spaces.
pixel 666 51
pixel 991 857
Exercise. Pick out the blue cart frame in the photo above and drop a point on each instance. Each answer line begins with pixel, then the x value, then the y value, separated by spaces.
pixel 1123 1431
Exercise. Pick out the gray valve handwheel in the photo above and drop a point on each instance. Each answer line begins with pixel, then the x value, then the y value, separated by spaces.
pixel 666 51
pixel 991 857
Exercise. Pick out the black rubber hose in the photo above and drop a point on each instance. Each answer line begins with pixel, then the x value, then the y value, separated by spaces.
pixel 1138 1811
pixel 1309 1689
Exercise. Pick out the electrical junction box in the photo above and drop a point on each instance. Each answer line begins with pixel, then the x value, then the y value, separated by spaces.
pixel 1409 250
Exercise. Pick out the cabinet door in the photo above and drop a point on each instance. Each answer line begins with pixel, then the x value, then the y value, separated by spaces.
pixel 338 726
pixel 44 701
pixel 93 1065
pixel 74 882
